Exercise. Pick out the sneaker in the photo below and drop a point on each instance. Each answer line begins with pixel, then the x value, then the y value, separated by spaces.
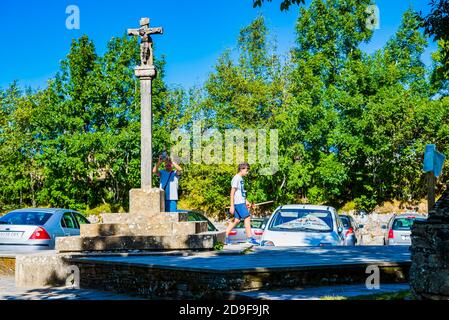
pixel 252 241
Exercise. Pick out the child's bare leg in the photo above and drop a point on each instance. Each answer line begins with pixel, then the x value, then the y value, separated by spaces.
pixel 232 226
pixel 247 223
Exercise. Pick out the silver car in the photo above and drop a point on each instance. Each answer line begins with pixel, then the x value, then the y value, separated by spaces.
pixel 238 234
pixel 36 229
pixel 304 225
pixel 398 229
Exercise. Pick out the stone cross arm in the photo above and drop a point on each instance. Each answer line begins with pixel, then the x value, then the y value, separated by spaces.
pixel 145 31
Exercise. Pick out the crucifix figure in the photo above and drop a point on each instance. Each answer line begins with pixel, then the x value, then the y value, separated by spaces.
pixel 146 44
pixel 146 72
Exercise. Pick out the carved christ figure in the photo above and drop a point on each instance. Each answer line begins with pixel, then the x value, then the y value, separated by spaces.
pixel 146 43
pixel 146 49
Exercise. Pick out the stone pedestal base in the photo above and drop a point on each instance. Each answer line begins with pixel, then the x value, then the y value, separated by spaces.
pixel 146 202
pixel 145 227
pixel 429 273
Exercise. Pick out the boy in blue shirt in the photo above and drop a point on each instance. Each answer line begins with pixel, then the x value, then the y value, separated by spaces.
pixel 239 204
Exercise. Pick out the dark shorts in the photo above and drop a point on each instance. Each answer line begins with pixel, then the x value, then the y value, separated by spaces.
pixel 241 211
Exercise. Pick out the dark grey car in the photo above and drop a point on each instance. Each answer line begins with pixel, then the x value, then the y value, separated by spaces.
pixel 351 231
pixel 199 216
pixel 398 229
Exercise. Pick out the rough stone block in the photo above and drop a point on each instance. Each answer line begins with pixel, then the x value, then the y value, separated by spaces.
pixel 205 240
pixel 42 270
pixel 146 202
pixel 158 228
pixel 148 218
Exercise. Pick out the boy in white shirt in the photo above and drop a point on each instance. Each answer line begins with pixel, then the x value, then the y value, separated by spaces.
pixel 239 204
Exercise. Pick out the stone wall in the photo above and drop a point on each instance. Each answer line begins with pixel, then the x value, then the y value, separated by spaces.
pixel 429 272
pixel 168 283
pixel 372 232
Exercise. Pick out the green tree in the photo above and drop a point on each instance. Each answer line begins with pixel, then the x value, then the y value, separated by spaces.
pixel 285 4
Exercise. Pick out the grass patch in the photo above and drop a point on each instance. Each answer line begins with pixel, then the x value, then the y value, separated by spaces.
pixel 398 295
pixel 219 246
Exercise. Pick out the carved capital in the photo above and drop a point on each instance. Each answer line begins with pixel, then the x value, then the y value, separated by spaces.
pixel 145 72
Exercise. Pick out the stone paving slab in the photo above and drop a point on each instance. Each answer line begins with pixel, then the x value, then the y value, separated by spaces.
pixel 8 291
pixel 267 258
pixel 320 292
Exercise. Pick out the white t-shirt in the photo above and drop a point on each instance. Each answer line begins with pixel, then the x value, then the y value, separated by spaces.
pixel 240 194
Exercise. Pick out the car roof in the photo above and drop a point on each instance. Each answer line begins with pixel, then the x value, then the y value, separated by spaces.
pixel 305 206
pixel 417 215
pixel 49 210
pixel 190 211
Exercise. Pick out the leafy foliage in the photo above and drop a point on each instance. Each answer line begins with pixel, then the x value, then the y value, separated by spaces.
pixel 285 4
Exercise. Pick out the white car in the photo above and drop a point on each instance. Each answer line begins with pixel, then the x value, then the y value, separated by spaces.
pixel 304 225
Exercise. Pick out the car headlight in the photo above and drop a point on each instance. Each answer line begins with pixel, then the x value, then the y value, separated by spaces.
pixel 267 243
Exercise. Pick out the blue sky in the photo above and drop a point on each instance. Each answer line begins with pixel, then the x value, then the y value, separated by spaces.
pixel 34 37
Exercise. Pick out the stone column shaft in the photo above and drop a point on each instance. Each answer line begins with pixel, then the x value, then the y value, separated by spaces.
pixel 146 135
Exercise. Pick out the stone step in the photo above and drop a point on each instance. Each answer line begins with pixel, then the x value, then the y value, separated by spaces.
pixel 149 218
pixel 159 228
pixel 199 241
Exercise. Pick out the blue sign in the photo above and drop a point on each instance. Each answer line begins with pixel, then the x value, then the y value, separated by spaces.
pixel 433 160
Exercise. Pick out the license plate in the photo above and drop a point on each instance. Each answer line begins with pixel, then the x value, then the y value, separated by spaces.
pixel 405 237
pixel 11 234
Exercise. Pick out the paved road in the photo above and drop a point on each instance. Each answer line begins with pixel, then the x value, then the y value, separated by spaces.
pixel 268 258
pixel 8 291
pixel 321 292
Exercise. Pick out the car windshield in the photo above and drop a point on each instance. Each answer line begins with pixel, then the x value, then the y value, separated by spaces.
pixel 26 218
pixel 196 216
pixel 405 223
pixel 256 224
pixel 346 222
pixel 302 220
